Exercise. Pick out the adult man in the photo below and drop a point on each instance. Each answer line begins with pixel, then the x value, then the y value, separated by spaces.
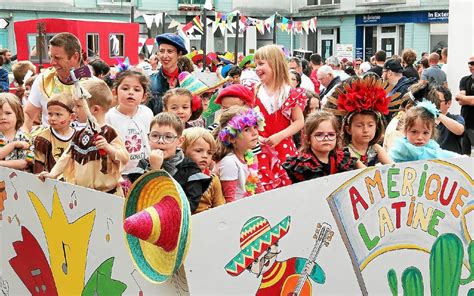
pixel 465 98
pixel 295 64
pixel 315 61
pixel 7 59
pixel 380 57
pixel 144 65
pixel 65 54
pixel 434 75
pixel 329 81
pixel 393 73
pixel 450 126
pixel 444 60
pixel 170 48
pixel 335 65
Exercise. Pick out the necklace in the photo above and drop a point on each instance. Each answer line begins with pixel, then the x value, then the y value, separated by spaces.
pixel 252 179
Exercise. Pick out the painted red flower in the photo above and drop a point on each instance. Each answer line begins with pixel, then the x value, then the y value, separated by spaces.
pixel 133 144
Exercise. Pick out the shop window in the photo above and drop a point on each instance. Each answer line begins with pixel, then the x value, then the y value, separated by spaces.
pixel 231 43
pixel 92 45
pixel 116 45
pixel 391 29
pixel 35 46
pixel 377 2
pixel 219 41
pixel 323 2
pixel 438 42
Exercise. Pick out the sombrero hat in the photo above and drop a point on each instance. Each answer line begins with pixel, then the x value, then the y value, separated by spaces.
pixel 197 56
pixel 255 237
pixel 227 58
pixel 157 225
pixel 194 85
pixel 245 60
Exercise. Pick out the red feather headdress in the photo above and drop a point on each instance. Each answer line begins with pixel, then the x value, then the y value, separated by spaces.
pixel 364 94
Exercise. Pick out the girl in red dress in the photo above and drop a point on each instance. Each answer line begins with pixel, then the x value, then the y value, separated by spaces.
pixel 282 108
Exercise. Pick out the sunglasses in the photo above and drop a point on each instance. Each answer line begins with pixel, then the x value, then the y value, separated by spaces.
pixel 470 63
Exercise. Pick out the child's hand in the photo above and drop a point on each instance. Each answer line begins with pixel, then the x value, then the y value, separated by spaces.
pixel 101 144
pixel 156 159
pixel 273 140
pixel 21 145
pixel 43 175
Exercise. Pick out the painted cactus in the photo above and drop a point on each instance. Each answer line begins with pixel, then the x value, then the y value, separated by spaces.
pixel 412 282
pixel 446 262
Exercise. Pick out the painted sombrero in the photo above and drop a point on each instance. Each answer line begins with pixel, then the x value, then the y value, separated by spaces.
pixel 194 85
pixel 227 58
pixel 255 237
pixel 157 225
pixel 245 60
pixel 197 56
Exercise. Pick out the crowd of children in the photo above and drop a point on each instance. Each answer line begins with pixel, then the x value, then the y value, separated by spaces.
pixel 219 145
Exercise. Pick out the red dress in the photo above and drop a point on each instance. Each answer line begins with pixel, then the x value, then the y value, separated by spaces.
pixel 270 160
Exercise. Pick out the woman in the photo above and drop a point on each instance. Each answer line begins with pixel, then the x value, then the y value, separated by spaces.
pixel 170 48
pixel 295 79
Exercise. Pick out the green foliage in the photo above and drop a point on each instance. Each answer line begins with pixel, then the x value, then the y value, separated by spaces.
pixel 412 282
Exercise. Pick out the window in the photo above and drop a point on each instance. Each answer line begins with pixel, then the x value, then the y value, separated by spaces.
pixel 92 45
pixel 35 46
pixel 116 42
pixel 190 4
pixel 116 2
pixel 378 2
pixel 323 2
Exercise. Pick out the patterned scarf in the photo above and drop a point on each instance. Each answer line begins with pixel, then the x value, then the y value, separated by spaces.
pixel 170 164
pixel 172 77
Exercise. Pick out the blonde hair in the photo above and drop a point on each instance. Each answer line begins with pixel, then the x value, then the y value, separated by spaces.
pixel 100 93
pixel 191 135
pixel 421 113
pixel 275 58
pixel 15 104
pixel 312 123
pixel 226 116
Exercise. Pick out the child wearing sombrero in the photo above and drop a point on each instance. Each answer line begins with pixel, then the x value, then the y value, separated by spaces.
pixel 165 138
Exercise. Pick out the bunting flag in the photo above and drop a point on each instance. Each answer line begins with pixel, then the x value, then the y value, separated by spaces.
pixel 198 24
pixel 148 20
pixel 158 19
pixel 218 17
pixel 173 24
pixel 187 27
pixel 150 42
pixel 141 43
pixel 305 25
pixel 215 26
pixel 312 24
pixel 260 27
pixel 222 27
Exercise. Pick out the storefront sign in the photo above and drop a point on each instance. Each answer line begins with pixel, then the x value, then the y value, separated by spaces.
pixel 345 51
pixel 441 16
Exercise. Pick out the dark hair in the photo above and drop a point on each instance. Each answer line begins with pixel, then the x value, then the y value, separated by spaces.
pixel 226 116
pixel 424 63
pixel 298 77
pixel 182 92
pixel 306 68
pixel 380 56
pixel 185 64
pixel 418 112
pixel 297 60
pixel 235 70
pixel 69 42
pixel 409 56
pixel 100 67
pixel 446 94
pixel 379 129
pixel 310 95
pixel 316 59
pixel 142 79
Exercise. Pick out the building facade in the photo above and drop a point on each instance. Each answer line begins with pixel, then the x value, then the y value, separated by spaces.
pixel 363 25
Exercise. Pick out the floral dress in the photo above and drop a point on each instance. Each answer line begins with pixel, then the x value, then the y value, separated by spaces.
pixel 277 114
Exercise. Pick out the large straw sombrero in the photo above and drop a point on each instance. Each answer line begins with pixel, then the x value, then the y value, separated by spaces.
pixel 196 86
pixel 255 237
pixel 157 225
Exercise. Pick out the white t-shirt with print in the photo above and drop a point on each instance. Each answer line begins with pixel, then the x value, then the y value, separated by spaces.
pixel 134 133
pixel 232 168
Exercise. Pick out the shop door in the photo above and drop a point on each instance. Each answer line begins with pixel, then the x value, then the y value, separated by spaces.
pixel 327 41
pixel 388 40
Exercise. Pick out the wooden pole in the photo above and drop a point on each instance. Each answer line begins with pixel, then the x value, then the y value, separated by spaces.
pixel 274 30
pixel 204 39
pixel 236 45
pixel 40 46
pixel 163 18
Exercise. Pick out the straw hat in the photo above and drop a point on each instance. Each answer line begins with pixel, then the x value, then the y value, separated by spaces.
pixel 194 85
pixel 255 237
pixel 157 225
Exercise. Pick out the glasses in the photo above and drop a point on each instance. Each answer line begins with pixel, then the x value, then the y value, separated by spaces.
pixel 167 138
pixel 470 63
pixel 325 136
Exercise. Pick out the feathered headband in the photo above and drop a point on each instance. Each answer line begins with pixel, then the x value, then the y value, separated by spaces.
pixel 364 94
pixel 239 122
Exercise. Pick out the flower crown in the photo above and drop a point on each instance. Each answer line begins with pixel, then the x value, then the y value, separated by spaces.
pixel 364 94
pixel 239 122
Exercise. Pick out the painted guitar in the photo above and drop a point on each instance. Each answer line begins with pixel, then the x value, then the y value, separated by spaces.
pixel 299 284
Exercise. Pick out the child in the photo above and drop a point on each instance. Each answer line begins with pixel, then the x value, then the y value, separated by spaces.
pixel 165 138
pixel 51 143
pixel 22 71
pixel 320 154
pixel 362 132
pixel 26 94
pixel 15 149
pixel 282 108
pixel 237 166
pixel 200 146
pixel 131 119
pixel 181 102
pixel 93 160
pixel 419 129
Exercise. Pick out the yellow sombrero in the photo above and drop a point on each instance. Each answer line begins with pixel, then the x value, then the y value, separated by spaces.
pixel 157 225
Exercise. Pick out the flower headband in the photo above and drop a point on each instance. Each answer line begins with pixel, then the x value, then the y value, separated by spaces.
pixel 239 122
pixel 430 107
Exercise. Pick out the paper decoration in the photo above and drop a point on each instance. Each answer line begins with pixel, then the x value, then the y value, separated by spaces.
pixel 148 20
pixel 173 24
pixel 208 5
pixel 198 25
pixel 158 19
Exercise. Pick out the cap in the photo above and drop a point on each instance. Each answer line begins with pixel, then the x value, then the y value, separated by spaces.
pixel 239 91
pixel 393 65
pixel 172 39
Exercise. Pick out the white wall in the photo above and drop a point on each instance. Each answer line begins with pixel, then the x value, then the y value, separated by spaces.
pixel 460 43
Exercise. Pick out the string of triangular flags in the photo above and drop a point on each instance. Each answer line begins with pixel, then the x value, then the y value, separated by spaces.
pixel 227 21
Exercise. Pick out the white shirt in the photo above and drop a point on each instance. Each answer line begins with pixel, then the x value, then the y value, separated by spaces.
pixel 134 133
pixel 306 83
pixel 230 168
